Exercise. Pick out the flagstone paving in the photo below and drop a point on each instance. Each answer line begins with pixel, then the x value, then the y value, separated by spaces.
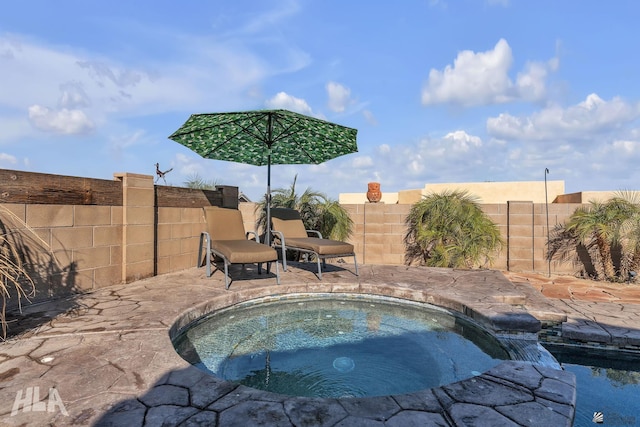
pixel 605 315
pixel 106 358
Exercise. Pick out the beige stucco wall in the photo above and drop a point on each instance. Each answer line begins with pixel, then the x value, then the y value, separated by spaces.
pixel 361 198
pixel 487 192
pixel 501 192
pixel 598 196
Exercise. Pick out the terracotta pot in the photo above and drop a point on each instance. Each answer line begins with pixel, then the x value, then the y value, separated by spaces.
pixel 373 194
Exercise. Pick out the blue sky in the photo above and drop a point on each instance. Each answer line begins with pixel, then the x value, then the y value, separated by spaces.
pixel 439 90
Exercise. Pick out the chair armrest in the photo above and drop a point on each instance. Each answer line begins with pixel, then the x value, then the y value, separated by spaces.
pixel 317 233
pixel 255 236
pixel 279 235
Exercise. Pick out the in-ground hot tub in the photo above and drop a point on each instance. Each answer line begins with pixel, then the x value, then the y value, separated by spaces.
pixel 340 345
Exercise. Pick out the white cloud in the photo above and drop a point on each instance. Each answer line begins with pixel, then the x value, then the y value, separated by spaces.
pixel 188 166
pixel 104 74
pixel 339 97
pixel 369 117
pixel 362 162
pixel 462 141
pixel 627 147
pixel 416 166
pixel 8 158
pixel 268 21
pixel 283 100
pixel 458 156
pixel 482 78
pixel 63 121
pixel 86 87
pixel 531 83
pixel 580 121
pixel 73 95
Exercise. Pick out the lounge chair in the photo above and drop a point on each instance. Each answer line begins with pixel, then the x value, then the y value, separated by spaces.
pixel 226 239
pixel 289 233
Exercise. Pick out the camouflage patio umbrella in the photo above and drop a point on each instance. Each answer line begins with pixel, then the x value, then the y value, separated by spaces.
pixel 265 137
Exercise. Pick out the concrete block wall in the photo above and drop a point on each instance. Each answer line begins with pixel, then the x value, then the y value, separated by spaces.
pixel 83 247
pixel 68 248
pixel 379 230
pixel 178 238
pixel 521 248
pixel 138 217
pixel 498 213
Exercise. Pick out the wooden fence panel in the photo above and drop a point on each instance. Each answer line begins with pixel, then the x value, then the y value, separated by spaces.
pixel 41 188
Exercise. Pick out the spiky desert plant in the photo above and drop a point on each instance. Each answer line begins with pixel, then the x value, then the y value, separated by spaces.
pixel 317 210
pixel 14 278
pixel 449 229
pixel 197 182
pixel 601 223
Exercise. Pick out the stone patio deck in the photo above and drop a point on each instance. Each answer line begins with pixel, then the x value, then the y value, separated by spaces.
pixel 106 358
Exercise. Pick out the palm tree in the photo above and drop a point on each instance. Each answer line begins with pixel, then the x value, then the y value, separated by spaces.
pixel 450 229
pixel 628 203
pixel 196 181
pixel 595 232
pixel 565 246
pixel 601 224
pixel 318 211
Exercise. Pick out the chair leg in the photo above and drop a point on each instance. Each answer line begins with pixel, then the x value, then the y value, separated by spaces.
pixel 284 259
pixel 226 274
pixel 260 268
pixel 199 261
pixel 277 273
pixel 355 261
pixel 208 256
pixel 319 269
pixel 205 242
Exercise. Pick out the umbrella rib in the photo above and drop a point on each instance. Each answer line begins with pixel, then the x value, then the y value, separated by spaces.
pixel 289 131
pixel 233 120
pixel 251 129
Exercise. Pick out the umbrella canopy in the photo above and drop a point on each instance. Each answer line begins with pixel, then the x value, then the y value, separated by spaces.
pixel 265 137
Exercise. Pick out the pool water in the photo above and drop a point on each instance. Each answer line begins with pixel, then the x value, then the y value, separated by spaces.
pixel 607 382
pixel 349 346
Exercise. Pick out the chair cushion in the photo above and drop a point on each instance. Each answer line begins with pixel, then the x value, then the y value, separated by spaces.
pixel 224 224
pixel 289 227
pixel 244 251
pixel 320 246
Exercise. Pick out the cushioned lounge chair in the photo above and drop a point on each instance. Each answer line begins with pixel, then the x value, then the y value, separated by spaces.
pixel 226 239
pixel 289 233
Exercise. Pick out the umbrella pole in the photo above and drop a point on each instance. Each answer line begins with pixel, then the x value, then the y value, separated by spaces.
pixel 269 143
pixel 268 224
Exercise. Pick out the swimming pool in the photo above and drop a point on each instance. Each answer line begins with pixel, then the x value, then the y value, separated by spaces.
pixel 608 382
pixel 339 346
